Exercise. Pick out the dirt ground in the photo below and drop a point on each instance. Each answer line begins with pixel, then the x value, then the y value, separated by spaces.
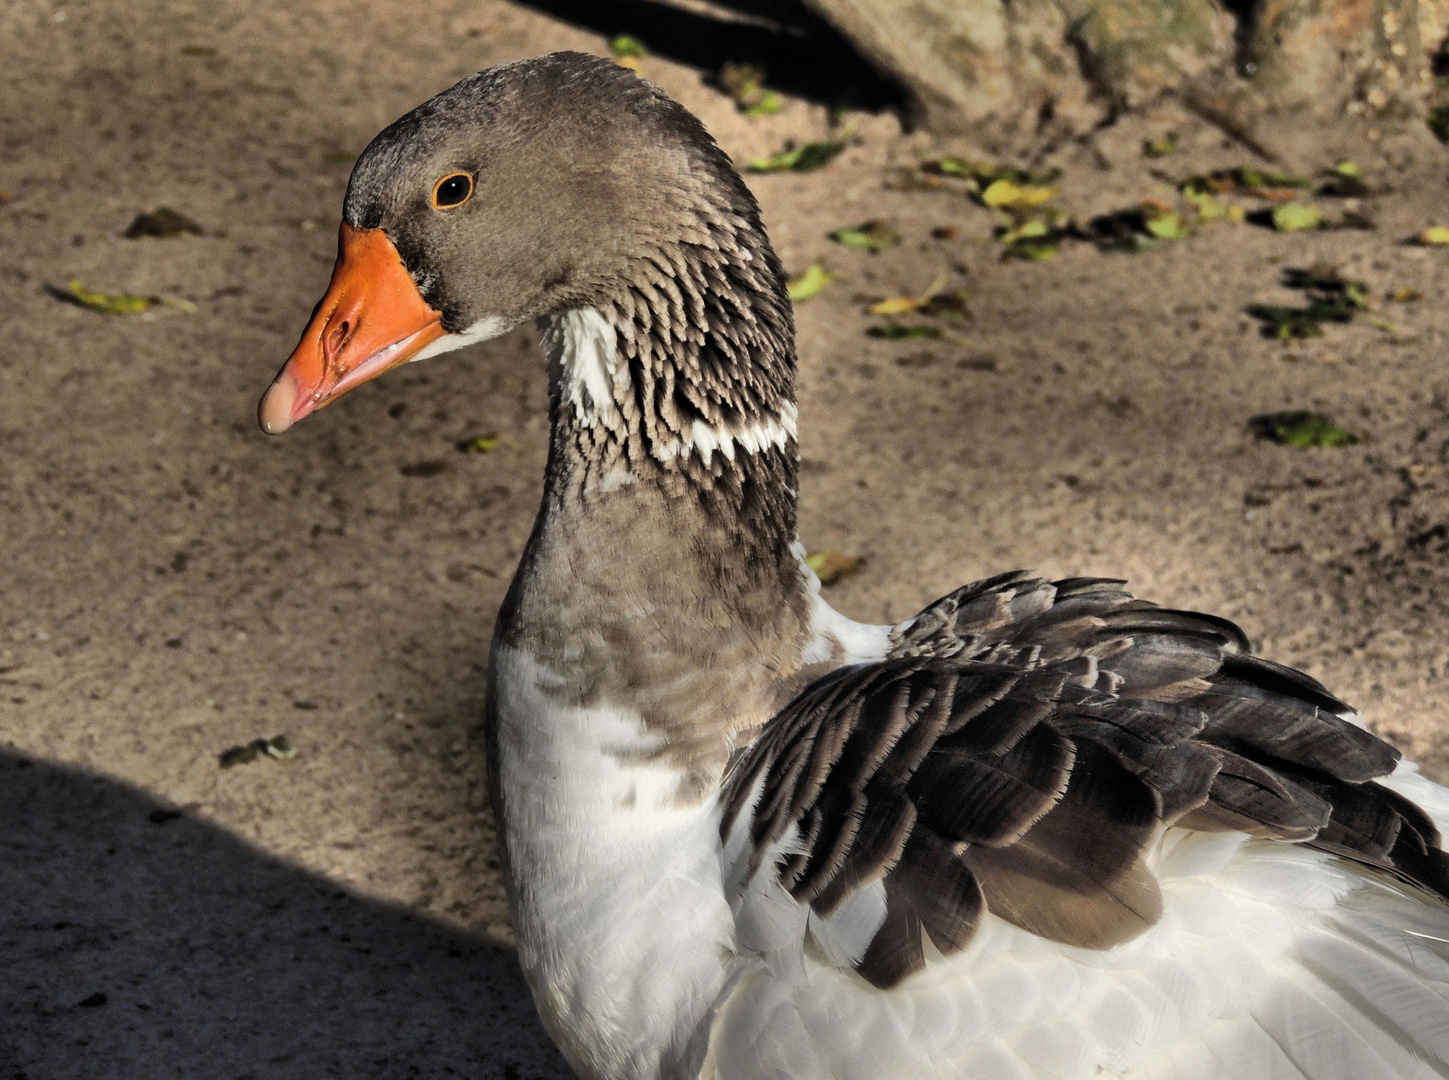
pixel 174 583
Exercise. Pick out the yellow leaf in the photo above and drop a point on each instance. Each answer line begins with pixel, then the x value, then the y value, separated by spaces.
pixel 831 566
pixel 1005 193
pixel 1297 217
pixel 1027 230
pixel 1436 236
pixel 110 303
pixel 809 282
pixel 626 47
pixel 896 305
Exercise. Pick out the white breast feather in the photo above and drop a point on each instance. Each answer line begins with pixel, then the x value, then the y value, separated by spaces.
pixel 618 904
pixel 1273 962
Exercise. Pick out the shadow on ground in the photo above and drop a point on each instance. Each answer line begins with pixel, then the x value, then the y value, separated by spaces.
pixel 140 943
pixel 801 52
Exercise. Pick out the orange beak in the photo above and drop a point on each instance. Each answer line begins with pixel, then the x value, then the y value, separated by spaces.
pixel 372 319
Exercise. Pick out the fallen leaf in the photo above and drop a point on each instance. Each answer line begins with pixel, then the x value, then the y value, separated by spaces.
pixel 1328 283
pixel 1168 225
pixel 949 166
pixel 110 303
pixel 1288 323
pixel 983 176
pixel 945 305
pixel 1245 180
pixel 1345 181
pixel 1301 429
pixel 279 746
pixel 241 755
pixel 898 332
pixel 745 84
pixel 895 305
pixel 1296 217
pixel 198 50
pixel 867 236
pixel 1156 148
pixel 1030 229
pixel 809 282
pixel 806 158
pixel 1211 208
pixel 1332 298
pixel 831 566
pixel 628 51
pixel 1405 295
pixel 944 232
pixel 1249 177
pixel 1142 228
pixel 163 223
pixel 1436 236
pixel 480 444
pixel 1005 193
pixel 768 105
pixel 901 178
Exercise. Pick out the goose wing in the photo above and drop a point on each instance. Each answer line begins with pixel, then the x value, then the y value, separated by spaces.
pixel 1021 750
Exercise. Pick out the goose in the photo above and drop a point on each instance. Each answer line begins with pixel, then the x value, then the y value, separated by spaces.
pixel 1042 829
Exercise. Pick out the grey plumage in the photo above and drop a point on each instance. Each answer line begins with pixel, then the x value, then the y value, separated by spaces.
pixel 1019 750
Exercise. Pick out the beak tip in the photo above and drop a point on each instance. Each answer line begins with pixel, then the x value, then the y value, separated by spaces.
pixel 274 411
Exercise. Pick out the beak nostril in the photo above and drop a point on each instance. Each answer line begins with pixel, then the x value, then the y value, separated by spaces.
pixel 338 338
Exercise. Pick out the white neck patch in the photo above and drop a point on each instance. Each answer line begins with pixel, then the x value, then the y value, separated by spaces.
pixel 582 350
pixel 581 346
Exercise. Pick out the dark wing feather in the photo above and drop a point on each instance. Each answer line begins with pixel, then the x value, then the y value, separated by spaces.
pixel 1020 748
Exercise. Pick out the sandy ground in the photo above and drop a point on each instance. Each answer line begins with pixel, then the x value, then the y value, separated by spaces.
pixel 174 583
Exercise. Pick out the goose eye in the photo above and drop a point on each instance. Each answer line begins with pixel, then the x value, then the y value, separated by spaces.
pixel 452 190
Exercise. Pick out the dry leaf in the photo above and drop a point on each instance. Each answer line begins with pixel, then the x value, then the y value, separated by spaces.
pixel 110 303
pixel 809 282
pixel 895 305
pixel 831 566
pixel 1296 217
pixel 868 236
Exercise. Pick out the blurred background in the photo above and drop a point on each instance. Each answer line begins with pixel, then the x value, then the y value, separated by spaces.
pixel 1083 299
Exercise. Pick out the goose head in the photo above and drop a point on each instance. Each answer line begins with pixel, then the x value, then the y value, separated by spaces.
pixel 525 190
